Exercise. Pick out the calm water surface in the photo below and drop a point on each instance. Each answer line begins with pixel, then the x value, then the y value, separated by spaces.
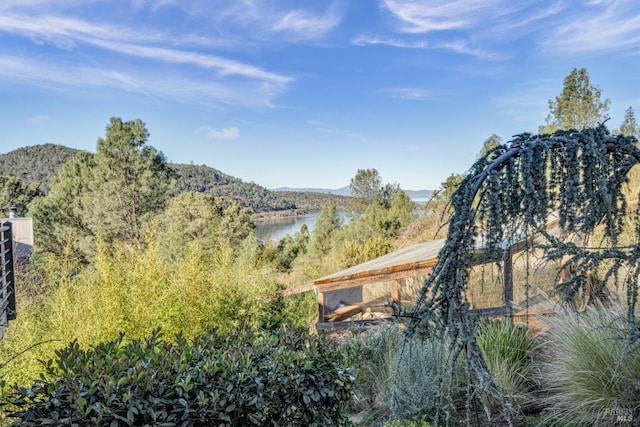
pixel 278 228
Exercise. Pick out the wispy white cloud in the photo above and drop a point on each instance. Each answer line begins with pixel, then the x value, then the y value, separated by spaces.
pixel 408 93
pixel 476 27
pixel 529 21
pixel 600 26
pixel 182 67
pixel 229 133
pixel 363 40
pixel 268 20
pixel 421 17
pixel 305 25
pixel 222 65
pixel 561 26
pixel 254 94
pixel 464 47
pixel 456 45
pixel 69 32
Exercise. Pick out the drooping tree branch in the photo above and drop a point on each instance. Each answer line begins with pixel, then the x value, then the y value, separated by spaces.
pixel 514 189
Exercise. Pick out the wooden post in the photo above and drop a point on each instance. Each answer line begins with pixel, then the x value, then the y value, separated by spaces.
pixel 10 279
pixel 507 260
pixel 395 292
pixel 320 307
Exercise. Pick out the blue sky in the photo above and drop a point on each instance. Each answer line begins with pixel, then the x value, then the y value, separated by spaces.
pixel 304 93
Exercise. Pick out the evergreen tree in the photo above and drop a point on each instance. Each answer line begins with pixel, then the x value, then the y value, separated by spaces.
pixel 629 126
pixel 15 193
pixel 365 186
pixel 326 224
pixel 131 182
pixel 202 217
pixel 59 218
pixel 109 195
pixel 489 144
pixel 578 107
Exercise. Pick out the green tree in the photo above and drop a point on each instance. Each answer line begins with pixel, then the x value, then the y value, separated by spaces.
pixel 365 186
pixel 15 193
pixel 389 192
pixel 402 207
pixel 110 194
pixel 326 224
pixel 290 248
pixel 197 216
pixel 578 107
pixel 489 144
pixel 629 126
pixel 131 182
pixel 60 225
pixel 449 186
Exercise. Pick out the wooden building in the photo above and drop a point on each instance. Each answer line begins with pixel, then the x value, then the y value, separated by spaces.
pixel 364 293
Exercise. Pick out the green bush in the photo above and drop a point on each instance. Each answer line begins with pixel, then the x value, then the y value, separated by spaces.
pixel 413 379
pixel 406 379
pixel 184 289
pixel 287 377
pixel 594 377
pixel 426 386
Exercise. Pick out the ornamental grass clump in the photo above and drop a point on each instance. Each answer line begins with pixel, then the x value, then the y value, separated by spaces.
pixel 593 373
pixel 509 352
pixel 378 353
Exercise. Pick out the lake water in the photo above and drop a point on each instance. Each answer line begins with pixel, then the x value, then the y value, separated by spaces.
pixel 279 228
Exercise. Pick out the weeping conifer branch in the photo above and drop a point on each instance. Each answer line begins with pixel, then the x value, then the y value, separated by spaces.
pixel 512 192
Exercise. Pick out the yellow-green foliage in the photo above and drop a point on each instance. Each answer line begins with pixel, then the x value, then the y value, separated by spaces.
pixel 135 290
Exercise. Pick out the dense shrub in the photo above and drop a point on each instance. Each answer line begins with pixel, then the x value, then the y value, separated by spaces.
pixel 406 379
pixel 406 423
pixel 426 387
pixel 187 289
pixel 412 380
pixel 286 377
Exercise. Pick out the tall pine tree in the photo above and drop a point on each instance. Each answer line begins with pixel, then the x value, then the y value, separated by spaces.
pixel 578 107
pixel 108 195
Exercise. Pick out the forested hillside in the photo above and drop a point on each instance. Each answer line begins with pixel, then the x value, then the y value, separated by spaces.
pixel 36 163
pixel 314 201
pixel 204 179
pixel 40 164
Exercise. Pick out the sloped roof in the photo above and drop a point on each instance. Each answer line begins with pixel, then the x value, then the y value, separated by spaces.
pixel 408 258
pixel 412 260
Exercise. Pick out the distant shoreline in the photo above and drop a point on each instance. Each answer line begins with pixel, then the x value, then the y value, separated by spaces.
pixel 274 215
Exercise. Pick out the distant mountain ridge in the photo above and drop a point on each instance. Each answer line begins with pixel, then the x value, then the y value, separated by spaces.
pixel 346 191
